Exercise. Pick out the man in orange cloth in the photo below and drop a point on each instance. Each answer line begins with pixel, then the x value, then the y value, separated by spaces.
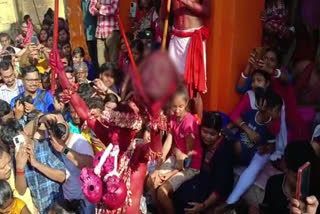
pixel 187 47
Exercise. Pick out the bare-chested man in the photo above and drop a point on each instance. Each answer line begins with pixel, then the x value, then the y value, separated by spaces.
pixel 187 46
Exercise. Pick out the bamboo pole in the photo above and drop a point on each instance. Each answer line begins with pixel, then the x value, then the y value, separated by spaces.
pixel 166 26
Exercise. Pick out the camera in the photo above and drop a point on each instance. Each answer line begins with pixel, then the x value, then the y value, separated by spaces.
pixel 24 99
pixel 59 130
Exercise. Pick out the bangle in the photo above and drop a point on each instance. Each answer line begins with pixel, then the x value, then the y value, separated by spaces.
pixel 20 172
pixel 278 74
pixel 242 123
pixel 244 76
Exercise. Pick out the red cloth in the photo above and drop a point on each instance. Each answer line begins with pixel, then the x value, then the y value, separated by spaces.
pixel 29 35
pixel 195 76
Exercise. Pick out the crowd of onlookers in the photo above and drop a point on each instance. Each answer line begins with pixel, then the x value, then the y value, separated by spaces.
pixel 274 123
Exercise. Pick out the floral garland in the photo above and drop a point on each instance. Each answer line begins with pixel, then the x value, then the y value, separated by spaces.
pixel 125 173
pixel 122 120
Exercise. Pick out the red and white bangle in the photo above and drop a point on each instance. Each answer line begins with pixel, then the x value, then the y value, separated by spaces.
pixel 244 76
pixel 278 73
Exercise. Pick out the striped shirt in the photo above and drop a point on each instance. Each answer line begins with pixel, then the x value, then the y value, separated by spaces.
pixel 106 17
pixel 7 94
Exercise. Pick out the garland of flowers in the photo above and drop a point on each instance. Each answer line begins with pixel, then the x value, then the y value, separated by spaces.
pixel 122 120
pixel 125 173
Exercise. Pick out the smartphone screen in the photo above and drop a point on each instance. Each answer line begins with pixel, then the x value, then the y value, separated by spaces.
pixel 303 182
pixel 34 40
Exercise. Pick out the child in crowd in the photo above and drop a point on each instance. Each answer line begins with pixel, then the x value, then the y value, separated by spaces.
pixel 9 204
pixel 261 80
pixel 281 83
pixel 66 49
pixel 111 102
pixel 108 76
pixel 43 37
pixel 64 35
pixel 78 55
pixel 70 74
pixel 184 160
pixel 49 43
pixel 255 152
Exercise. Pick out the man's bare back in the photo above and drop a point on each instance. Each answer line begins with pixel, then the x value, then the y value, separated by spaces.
pixel 189 13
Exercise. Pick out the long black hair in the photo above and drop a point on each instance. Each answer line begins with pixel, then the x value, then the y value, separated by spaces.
pixel 212 120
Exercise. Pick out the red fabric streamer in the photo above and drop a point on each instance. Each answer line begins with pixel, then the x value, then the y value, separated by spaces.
pixel 55 43
pixel 29 35
pixel 195 77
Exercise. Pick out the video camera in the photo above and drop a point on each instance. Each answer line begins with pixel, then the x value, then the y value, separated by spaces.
pixel 24 99
pixel 59 130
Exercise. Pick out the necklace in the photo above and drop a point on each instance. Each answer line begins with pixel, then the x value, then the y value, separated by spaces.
pixel 256 119
pixel 125 174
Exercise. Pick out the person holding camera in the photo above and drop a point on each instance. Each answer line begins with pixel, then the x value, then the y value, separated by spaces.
pixel 36 55
pixel 76 154
pixel 37 166
pixel 33 98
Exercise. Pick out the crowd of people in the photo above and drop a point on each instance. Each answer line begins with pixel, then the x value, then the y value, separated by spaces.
pixel 45 141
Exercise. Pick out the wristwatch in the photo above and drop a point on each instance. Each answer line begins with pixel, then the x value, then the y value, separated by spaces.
pixel 65 151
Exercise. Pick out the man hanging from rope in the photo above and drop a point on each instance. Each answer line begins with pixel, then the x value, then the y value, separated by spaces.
pixel 187 45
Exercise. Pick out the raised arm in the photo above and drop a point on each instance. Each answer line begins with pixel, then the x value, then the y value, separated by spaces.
pixel 76 101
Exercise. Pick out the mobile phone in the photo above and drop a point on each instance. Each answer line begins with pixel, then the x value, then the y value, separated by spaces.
pixel 34 40
pixel 133 9
pixel 18 141
pixel 303 182
pixel 93 134
pixel 187 163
